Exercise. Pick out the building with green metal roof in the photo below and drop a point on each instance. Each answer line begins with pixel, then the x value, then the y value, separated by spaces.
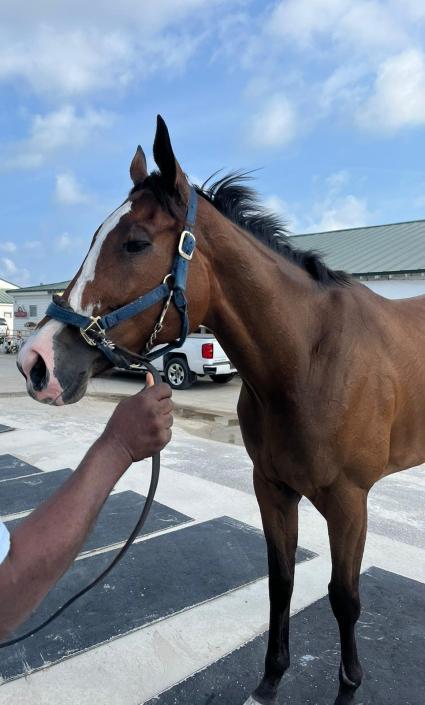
pixel 6 303
pixel 390 259
pixel 50 288
pixel 5 298
pixel 6 308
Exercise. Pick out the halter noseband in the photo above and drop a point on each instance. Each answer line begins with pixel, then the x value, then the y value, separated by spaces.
pixel 93 328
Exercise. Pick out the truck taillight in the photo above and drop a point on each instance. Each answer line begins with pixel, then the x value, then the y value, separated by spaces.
pixel 208 350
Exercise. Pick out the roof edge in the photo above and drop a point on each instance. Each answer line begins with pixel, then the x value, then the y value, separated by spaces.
pixel 8 282
pixel 358 227
pixel 53 286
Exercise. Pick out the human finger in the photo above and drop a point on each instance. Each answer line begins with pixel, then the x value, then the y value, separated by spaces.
pixel 149 380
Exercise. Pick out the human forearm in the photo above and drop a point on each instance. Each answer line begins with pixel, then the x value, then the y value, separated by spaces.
pixel 45 543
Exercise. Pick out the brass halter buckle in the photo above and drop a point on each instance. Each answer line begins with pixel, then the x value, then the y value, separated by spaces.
pixel 95 327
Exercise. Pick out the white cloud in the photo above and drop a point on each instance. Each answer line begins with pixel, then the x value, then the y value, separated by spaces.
pixel 8 246
pixel 371 70
pixel 275 204
pixel 65 62
pixel 367 25
pixel 332 208
pixel 64 243
pixel 363 24
pixel 8 265
pixel 344 88
pixel 282 208
pixel 145 18
pixel 345 212
pixel 60 128
pixel 276 124
pixel 336 210
pixel 302 20
pixel 32 244
pixel 336 181
pixel 398 99
pixel 8 268
pixel 68 190
pixel 415 8
pixel 61 49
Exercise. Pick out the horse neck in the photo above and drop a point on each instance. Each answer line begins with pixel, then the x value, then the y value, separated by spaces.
pixel 262 306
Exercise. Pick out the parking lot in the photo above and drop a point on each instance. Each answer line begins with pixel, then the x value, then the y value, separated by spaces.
pixel 183 618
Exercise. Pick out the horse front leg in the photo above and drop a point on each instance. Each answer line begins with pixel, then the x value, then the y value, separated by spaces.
pixel 345 509
pixel 279 513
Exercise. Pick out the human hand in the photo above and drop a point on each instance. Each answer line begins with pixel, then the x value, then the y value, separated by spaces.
pixel 141 425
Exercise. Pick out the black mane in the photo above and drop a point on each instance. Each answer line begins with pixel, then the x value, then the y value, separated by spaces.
pixel 231 196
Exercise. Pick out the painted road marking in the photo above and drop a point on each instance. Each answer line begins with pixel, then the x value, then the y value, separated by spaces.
pixel 118 518
pixel 391 643
pixel 158 577
pixel 22 494
pixel 12 467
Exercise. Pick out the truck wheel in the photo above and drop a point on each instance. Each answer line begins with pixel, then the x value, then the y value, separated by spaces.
pixel 177 373
pixel 222 379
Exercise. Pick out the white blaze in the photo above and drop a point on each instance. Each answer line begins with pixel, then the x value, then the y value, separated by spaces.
pixel 89 267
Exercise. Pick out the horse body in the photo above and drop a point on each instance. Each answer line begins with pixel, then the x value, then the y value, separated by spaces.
pixel 333 399
pixel 333 393
pixel 329 373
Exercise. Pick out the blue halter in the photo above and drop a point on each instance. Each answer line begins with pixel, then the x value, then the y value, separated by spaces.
pixel 93 328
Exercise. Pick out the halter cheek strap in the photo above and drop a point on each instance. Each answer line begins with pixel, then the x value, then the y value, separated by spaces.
pixel 93 328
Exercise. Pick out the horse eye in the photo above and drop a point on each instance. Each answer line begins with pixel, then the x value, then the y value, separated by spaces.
pixel 135 245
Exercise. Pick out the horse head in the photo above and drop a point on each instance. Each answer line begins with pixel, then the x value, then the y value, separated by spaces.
pixel 131 253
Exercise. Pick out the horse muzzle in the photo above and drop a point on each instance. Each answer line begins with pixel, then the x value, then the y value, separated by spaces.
pixel 36 361
pixel 56 365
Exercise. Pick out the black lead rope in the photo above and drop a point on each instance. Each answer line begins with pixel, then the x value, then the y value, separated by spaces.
pixel 140 523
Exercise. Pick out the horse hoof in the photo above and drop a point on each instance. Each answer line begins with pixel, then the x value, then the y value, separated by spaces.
pixel 346 697
pixel 252 701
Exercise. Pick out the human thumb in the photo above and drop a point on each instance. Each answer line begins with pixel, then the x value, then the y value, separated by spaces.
pixel 149 380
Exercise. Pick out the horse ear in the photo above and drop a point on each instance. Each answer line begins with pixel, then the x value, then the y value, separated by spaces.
pixel 138 168
pixel 169 167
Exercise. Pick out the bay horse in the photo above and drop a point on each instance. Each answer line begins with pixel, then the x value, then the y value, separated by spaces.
pixel 338 404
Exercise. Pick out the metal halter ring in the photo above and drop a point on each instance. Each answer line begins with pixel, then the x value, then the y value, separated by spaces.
pixel 168 276
pixel 160 322
pixel 95 327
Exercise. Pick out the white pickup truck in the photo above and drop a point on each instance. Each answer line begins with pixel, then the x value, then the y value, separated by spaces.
pixel 200 355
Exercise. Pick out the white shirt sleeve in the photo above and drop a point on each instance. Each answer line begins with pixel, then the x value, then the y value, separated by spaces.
pixel 4 542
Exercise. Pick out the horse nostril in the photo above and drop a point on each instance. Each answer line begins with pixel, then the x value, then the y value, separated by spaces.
pixel 39 374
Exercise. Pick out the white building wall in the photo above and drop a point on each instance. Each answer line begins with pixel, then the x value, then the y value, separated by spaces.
pixel 397 288
pixel 24 300
pixel 6 311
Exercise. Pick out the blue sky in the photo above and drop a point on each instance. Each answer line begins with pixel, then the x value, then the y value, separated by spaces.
pixel 327 97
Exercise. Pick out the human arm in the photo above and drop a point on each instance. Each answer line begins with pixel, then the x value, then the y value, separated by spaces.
pixel 46 542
